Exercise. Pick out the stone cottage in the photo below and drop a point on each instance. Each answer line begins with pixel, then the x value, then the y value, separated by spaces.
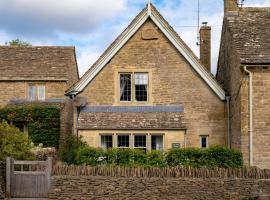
pixel 149 91
pixel 38 75
pixel 244 72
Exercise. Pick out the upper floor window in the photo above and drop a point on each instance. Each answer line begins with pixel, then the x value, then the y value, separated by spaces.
pixel 141 84
pixel 125 87
pixel 36 92
pixel 136 90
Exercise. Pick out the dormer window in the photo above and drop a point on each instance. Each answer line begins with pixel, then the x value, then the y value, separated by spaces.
pixel 36 92
pixel 133 87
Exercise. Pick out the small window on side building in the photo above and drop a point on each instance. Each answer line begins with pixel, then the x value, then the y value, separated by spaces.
pixel 36 92
pixel 204 141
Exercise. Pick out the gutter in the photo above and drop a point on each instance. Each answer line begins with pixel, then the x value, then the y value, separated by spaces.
pixel 250 115
pixel 228 98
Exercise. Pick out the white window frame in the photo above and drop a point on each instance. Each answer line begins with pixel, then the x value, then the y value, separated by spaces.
pixel 37 96
pixel 104 135
pixel 133 89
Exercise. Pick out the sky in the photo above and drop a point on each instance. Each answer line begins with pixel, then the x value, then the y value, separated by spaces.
pixel 92 25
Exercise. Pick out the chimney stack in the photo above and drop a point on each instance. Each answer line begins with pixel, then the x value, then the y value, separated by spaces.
pixel 205 46
pixel 231 7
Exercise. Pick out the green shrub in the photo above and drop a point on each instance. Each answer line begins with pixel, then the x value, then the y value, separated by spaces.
pixel 211 157
pixel 43 122
pixel 90 156
pixel 68 152
pixel 156 159
pixel 13 143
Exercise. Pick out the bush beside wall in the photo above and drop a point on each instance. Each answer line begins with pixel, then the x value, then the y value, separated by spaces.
pixel 77 152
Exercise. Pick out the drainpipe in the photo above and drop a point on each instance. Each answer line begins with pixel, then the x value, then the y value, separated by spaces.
pixel 228 122
pixel 250 116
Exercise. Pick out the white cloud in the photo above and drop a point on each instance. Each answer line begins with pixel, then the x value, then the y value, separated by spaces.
pixel 86 58
pixel 47 17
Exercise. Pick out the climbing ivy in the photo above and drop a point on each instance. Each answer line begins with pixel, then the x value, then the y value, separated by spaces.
pixel 43 122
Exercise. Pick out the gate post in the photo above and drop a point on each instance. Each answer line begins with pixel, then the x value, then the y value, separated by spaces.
pixel 8 176
pixel 49 171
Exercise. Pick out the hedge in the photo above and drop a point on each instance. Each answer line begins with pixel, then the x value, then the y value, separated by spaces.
pixel 220 157
pixel 43 122
pixel 77 152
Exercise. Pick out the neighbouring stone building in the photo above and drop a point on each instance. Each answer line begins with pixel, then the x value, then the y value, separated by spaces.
pixel 148 90
pixel 38 75
pixel 244 72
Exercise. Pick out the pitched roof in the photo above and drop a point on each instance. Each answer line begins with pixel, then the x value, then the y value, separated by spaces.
pixel 40 63
pixel 166 117
pixel 251 34
pixel 148 12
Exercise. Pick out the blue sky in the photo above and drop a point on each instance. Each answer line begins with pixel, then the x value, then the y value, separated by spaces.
pixel 91 25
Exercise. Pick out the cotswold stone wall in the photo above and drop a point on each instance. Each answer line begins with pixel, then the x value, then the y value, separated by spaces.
pixel 102 187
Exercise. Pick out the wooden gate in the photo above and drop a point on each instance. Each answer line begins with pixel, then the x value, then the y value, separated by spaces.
pixel 28 179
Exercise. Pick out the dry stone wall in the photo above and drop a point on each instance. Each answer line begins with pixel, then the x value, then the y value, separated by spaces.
pixel 102 187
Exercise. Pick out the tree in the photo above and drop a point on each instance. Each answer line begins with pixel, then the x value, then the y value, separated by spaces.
pixel 18 42
pixel 13 143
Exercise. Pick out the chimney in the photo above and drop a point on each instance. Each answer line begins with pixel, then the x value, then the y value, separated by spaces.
pixel 205 46
pixel 231 7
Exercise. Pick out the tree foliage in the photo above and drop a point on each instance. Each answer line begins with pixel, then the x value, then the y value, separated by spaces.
pixel 18 42
pixel 13 143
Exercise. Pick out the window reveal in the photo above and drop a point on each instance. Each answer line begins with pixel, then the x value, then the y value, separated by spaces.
pixel 204 141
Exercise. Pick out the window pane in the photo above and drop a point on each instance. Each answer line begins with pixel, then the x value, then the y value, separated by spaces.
pixel 106 141
pixel 122 141
pixel 41 92
pixel 140 142
pixel 32 92
pixel 157 142
pixel 125 87
pixel 141 86
pixel 204 142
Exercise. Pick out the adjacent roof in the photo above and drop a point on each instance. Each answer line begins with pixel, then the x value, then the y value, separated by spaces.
pixel 148 12
pixel 113 117
pixel 39 63
pixel 251 34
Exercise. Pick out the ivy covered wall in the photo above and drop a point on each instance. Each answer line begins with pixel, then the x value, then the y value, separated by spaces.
pixel 42 122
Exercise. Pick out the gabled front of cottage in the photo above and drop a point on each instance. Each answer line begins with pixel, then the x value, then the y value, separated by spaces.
pixel 149 91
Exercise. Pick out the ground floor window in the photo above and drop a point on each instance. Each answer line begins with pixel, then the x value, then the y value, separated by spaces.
pixel 140 142
pixel 123 141
pixel 143 141
pixel 204 141
pixel 106 141
pixel 157 142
